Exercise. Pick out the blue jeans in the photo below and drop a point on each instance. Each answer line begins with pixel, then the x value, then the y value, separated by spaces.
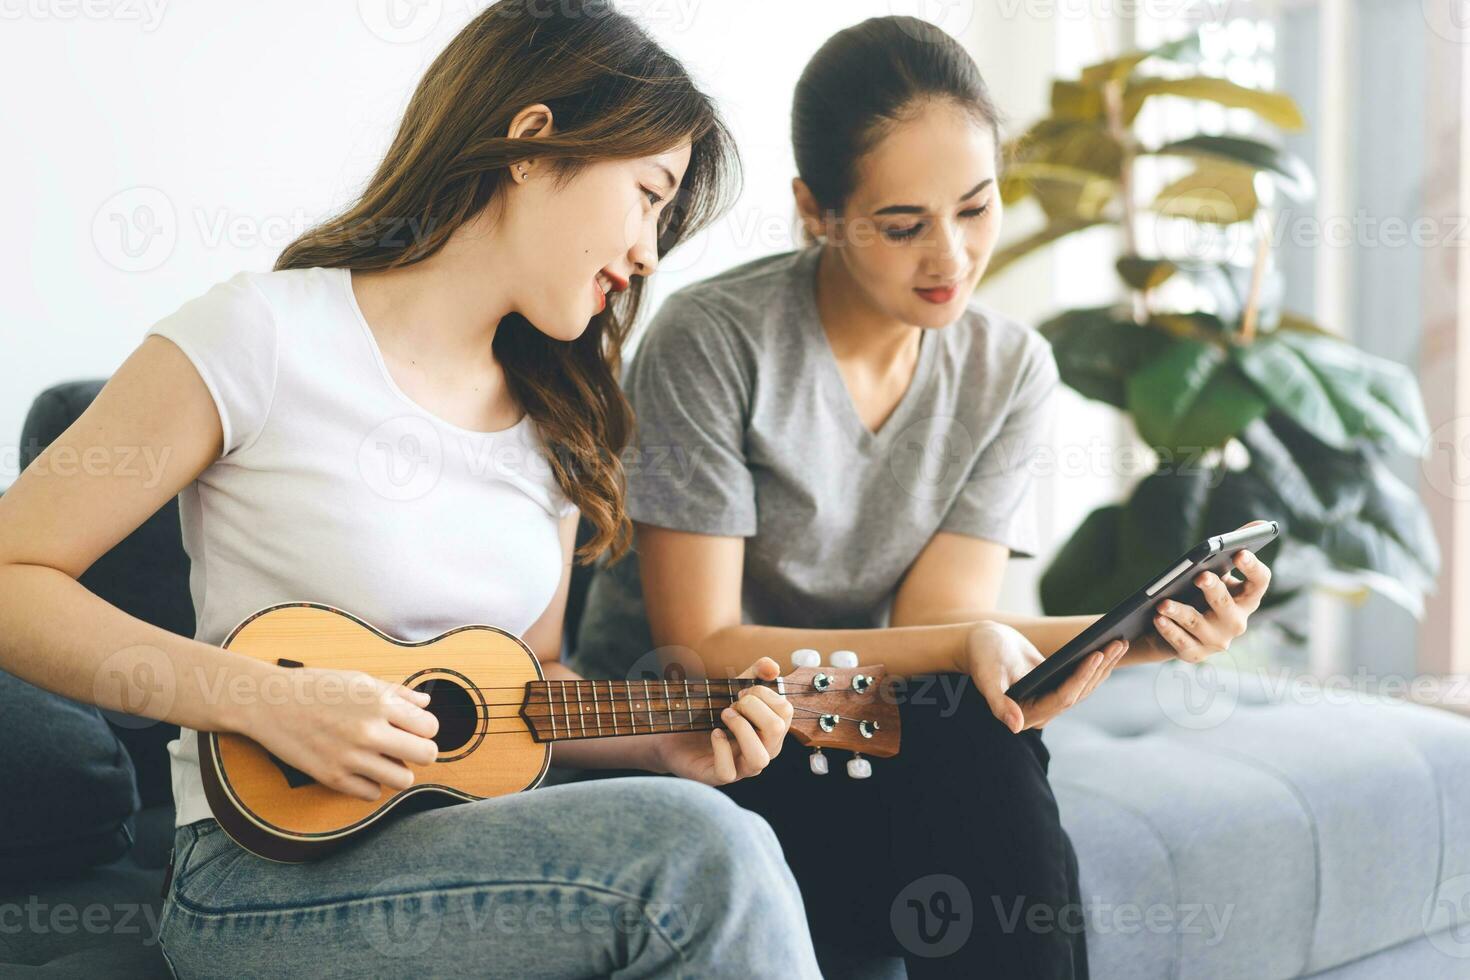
pixel 641 876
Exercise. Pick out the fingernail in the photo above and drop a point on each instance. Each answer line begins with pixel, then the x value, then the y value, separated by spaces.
pixel 719 733
pixel 1247 558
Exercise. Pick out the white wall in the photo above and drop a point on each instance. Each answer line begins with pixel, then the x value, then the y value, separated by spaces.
pixel 155 148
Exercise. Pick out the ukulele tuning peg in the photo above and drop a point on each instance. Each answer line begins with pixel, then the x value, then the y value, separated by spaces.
pixel 806 657
pixel 819 762
pixel 845 659
pixel 858 767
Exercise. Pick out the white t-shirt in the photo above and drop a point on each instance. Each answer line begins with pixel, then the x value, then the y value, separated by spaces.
pixel 335 487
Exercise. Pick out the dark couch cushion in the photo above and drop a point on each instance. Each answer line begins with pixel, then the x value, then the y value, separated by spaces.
pixel 146 575
pixel 101 923
pixel 69 787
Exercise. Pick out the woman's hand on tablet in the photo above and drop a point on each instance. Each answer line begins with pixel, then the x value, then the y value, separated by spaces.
pixel 1190 635
pixel 998 655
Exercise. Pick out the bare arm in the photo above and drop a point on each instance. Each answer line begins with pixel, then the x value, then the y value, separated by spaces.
pixel 83 495
pixel 62 515
pixel 691 590
pixel 957 578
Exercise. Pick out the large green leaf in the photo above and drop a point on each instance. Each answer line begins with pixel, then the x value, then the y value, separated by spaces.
pixel 1196 326
pixel 1285 377
pixel 1293 176
pixel 1191 396
pixel 1336 392
pixel 1317 488
pixel 1326 490
pixel 1369 529
pixel 1144 274
pixel 1215 192
pixel 1083 576
pixel 1276 108
pixel 1075 144
pixel 1185 48
pixel 1302 324
pixel 1073 100
pixel 1098 348
pixel 1074 200
pixel 1377 398
pixel 1022 179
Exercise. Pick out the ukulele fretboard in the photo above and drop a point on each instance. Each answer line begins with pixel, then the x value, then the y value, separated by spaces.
pixel 557 710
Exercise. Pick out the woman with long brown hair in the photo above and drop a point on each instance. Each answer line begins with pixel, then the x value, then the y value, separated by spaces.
pixel 404 420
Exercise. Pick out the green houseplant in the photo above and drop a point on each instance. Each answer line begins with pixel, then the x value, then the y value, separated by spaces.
pixel 1253 411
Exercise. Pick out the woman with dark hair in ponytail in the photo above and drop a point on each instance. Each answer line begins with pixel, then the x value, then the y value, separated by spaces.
pixel 403 420
pixel 853 431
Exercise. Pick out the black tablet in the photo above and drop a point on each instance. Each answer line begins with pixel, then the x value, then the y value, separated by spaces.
pixel 1133 617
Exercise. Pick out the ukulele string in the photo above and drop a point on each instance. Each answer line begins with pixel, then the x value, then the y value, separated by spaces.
pixel 634 720
pixel 712 685
pixel 621 704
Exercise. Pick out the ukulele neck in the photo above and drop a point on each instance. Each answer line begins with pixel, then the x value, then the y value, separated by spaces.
pixel 560 710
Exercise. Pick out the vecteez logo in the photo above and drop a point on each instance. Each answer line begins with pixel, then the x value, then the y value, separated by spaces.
pixel 147 14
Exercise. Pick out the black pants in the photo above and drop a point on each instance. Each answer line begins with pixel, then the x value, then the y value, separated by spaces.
pixel 950 855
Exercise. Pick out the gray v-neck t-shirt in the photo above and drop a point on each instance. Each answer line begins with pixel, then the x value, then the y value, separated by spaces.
pixel 745 428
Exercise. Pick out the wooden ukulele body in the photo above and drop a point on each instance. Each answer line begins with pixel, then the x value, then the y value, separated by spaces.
pixel 477 676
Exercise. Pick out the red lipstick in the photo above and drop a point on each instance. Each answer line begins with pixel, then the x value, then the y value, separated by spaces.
pixel 940 295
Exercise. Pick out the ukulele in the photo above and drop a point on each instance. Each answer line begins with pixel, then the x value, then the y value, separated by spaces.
pixel 498 717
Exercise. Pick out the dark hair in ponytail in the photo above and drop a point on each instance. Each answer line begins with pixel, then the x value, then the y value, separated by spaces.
pixel 865 79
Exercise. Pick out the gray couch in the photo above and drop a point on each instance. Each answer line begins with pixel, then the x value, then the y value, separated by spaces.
pixel 1329 839
pixel 1220 833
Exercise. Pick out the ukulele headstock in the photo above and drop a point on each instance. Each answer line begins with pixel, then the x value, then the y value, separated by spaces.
pixel 842 706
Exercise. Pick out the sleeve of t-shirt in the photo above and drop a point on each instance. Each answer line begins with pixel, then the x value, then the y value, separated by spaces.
pixel 229 334
pixel 690 395
pixel 997 500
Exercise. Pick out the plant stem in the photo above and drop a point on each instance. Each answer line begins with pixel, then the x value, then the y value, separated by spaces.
pixel 1258 278
pixel 1113 105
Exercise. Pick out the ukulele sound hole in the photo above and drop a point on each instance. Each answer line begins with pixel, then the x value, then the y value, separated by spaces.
pixel 456 711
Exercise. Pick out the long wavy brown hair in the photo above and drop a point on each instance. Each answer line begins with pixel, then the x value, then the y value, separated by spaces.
pixel 614 93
